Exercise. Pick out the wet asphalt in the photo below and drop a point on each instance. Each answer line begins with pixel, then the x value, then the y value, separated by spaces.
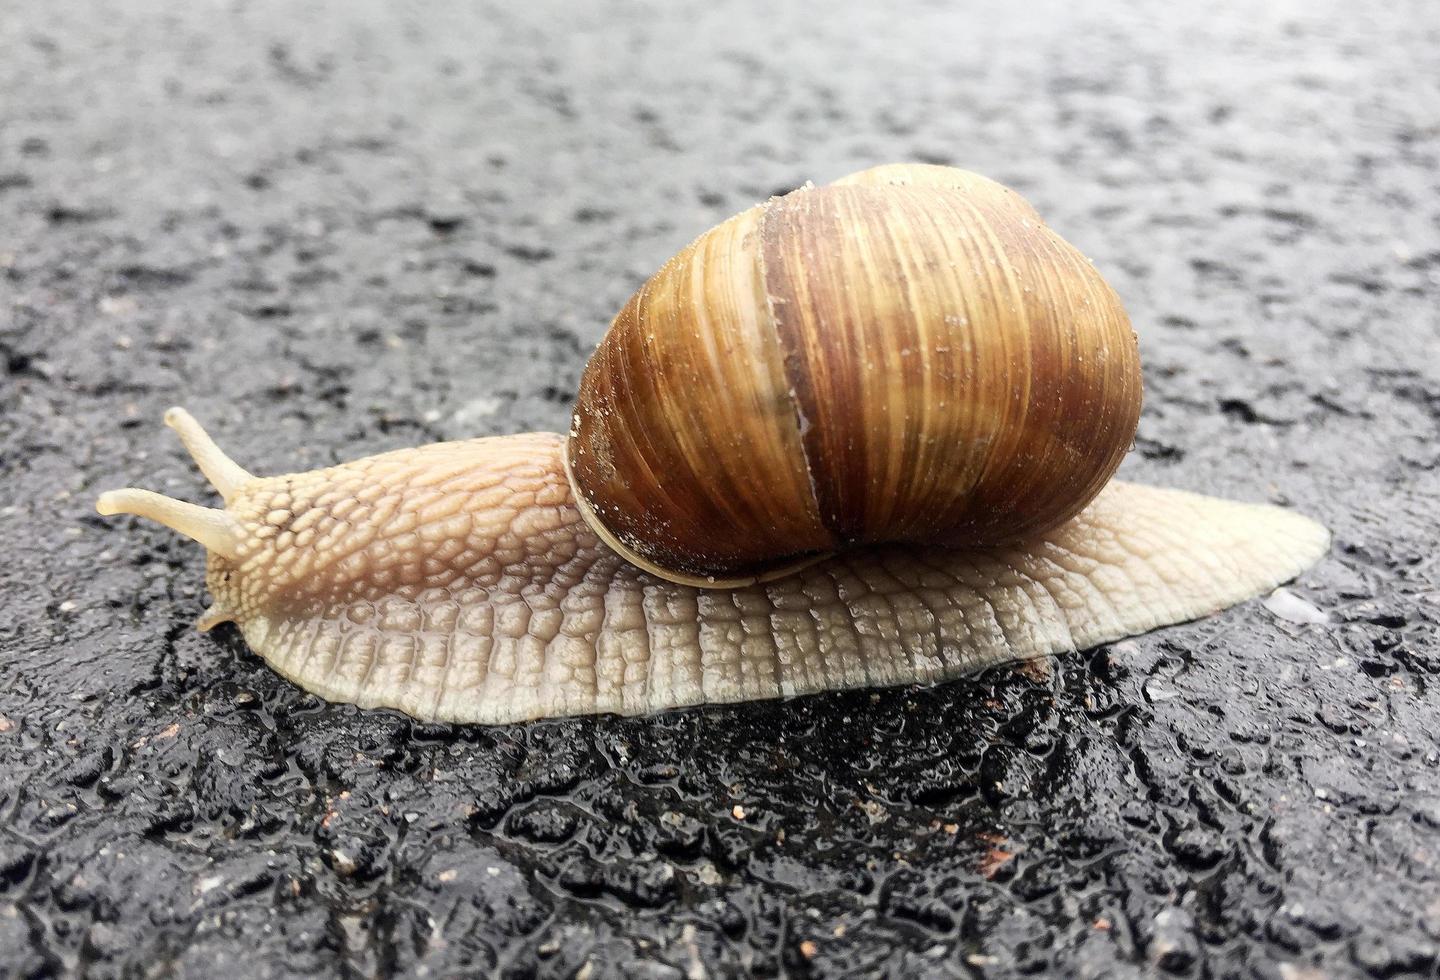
pixel 358 226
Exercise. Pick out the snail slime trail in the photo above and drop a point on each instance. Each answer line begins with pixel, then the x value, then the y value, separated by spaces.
pixel 968 384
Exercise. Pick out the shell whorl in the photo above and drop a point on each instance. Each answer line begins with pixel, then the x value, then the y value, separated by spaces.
pixel 908 354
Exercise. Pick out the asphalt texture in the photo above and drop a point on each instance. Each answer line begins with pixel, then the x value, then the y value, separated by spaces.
pixel 342 228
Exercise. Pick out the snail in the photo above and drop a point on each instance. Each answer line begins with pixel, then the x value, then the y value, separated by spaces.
pixel 859 435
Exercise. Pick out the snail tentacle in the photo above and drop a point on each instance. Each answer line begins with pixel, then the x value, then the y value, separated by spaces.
pixel 224 474
pixel 213 528
pixel 216 529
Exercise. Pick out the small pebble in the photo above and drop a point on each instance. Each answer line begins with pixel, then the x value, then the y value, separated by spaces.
pixel 1292 608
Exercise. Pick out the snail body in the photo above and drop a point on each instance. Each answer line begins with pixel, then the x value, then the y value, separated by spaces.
pixel 860 435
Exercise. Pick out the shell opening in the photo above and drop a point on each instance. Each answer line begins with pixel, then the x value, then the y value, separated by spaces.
pixel 634 557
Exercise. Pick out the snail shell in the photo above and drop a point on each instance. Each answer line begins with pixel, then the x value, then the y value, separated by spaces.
pixel 906 355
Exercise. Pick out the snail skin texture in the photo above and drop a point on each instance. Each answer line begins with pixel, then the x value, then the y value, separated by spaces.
pixel 860 435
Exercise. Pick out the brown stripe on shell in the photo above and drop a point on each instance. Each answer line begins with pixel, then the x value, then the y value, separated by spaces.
pixel 962 373
pixel 683 441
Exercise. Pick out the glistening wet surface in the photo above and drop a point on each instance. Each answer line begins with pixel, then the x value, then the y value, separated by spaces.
pixel 355 228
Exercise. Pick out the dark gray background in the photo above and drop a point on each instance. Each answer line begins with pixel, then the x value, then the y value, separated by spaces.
pixel 354 226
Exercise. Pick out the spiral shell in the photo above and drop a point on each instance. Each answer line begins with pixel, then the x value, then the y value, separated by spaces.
pixel 906 355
